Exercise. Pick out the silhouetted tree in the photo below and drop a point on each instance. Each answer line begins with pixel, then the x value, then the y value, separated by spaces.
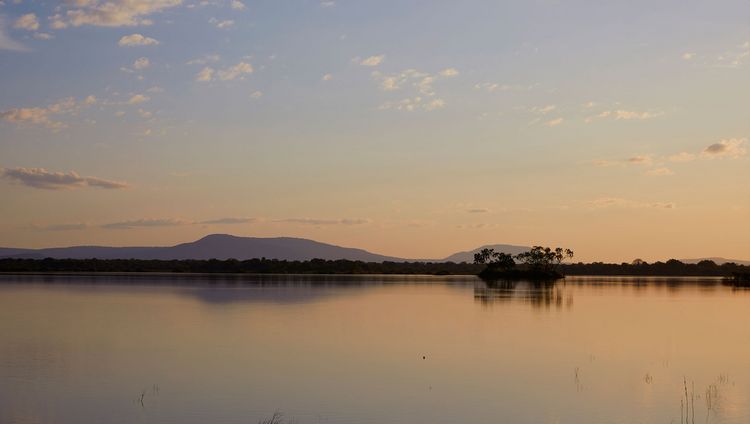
pixel 543 258
pixel 494 260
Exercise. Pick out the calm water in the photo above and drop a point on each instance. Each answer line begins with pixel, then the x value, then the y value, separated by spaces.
pixel 161 349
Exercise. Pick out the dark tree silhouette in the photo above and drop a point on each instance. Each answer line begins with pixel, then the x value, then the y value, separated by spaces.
pixel 544 258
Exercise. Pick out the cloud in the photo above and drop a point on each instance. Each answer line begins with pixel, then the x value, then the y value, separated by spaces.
pixel 256 94
pixel 146 223
pixel 31 115
pixel 327 3
pixel 735 57
pixel 28 22
pixel 137 40
pixel 205 74
pixel 61 227
pixel 435 104
pixel 312 221
pixel 204 60
pixel 617 202
pixel 226 24
pixel 543 110
pixel 421 81
pixel 230 221
pixel 112 13
pixel 106 184
pixel 412 104
pixel 43 179
pixel 554 122
pixel 43 36
pixel 237 5
pixel 660 172
pixel 44 115
pixel 449 72
pixel 235 71
pixel 633 160
pixel 372 60
pixel 138 99
pixel 327 77
pixel 682 157
pixel 492 87
pixel 624 115
pixel 688 55
pixel 6 43
pixel 732 148
pixel 640 160
pixel 145 114
pixel 141 63
pixel 478 210
pixel 422 85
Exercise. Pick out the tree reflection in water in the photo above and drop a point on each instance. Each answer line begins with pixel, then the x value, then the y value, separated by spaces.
pixel 545 294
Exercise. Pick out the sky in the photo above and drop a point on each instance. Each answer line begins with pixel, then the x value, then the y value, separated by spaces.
pixel 408 128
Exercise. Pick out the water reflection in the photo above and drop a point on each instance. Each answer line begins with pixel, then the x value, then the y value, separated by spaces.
pixel 369 349
pixel 536 294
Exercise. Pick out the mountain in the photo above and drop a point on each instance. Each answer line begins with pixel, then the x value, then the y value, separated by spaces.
pixel 215 246
pixel 225 246
pixel 468 256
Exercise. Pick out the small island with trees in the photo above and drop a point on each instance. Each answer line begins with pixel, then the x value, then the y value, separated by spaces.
pixel 539 264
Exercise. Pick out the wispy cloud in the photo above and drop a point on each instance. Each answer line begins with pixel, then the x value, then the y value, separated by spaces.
pixel 230 221
pixel 449 72
pixel 221 24
pixel 146 223
pixel 204 60
pixel 238 71
pixel 137 40
pixel 414 103
pixel 492 87
pixel 6 43
pixel 313 221
pixel 28 22
pixel 44 115
pixel 735 57
pixel 618 202
pixel 370 61
pixel 624 115
pixel 43 179
pixel 682 157
pixel 61 227
pixel 111 13
pixel 660 172
pixel 421 85
pixel 731 148
pixel 138 99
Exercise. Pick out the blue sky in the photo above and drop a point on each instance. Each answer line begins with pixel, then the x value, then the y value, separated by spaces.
pixel 408 128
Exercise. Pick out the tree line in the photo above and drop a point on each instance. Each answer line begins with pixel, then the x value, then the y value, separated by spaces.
pixel 671 267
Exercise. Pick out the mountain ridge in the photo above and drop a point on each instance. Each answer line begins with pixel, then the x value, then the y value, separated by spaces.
pixel 227 246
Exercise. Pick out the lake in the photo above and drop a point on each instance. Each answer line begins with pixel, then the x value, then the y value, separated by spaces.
pixel 371 349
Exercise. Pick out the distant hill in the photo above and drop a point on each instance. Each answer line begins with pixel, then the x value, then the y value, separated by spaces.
pixel 215 246
pixel 224 246
pixel 718 261
pixel 468 256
